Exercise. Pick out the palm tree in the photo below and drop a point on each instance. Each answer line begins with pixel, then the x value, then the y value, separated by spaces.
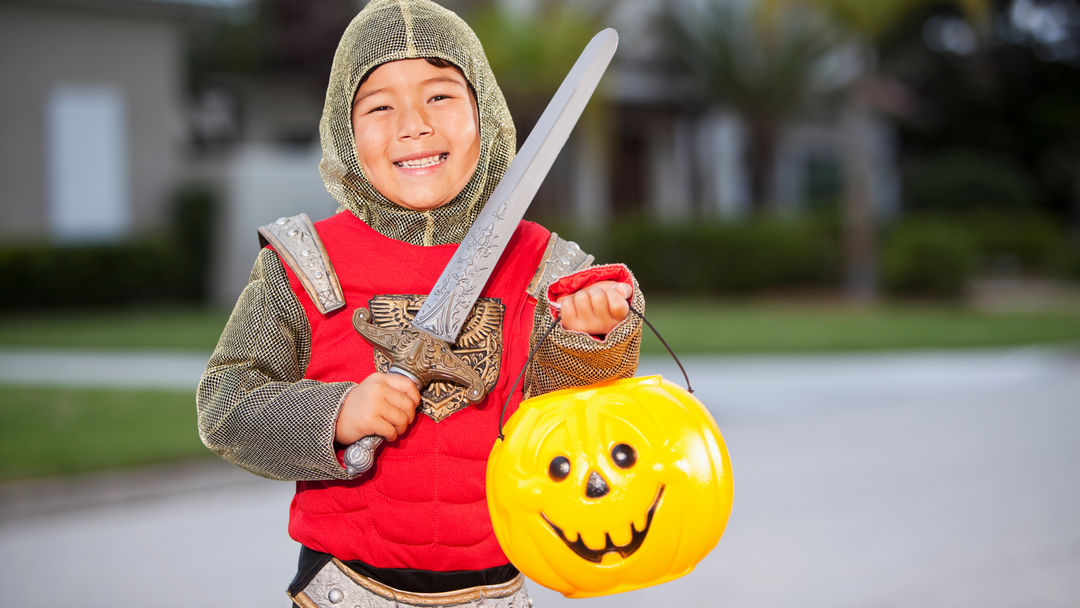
pixel 530 55
pixel 760 62
pixel 864 23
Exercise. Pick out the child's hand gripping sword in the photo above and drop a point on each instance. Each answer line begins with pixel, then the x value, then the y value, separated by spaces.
pixel 421 350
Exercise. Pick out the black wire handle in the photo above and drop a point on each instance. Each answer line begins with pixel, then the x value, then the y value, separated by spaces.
pixel 558 318
pixel 664 342
pixel 510 395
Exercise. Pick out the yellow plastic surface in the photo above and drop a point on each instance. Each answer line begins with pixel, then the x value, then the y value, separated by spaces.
pixel 586 546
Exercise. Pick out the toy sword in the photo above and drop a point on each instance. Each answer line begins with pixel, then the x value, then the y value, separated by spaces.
pixel 421 350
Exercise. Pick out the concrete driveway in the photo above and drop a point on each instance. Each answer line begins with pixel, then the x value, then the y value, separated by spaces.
pixel 932 479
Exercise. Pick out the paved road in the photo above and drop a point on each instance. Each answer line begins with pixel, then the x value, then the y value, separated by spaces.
pixel 928 480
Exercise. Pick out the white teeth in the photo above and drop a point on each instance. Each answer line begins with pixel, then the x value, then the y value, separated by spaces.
pixel 422 162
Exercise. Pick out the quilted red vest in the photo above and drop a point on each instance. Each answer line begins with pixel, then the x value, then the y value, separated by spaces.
pixel 423 505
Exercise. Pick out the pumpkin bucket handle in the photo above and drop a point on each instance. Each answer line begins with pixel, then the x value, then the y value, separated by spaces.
pixel 552 328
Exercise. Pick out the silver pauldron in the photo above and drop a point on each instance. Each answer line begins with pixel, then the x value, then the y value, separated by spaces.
pixel 298 243
pixel 560 259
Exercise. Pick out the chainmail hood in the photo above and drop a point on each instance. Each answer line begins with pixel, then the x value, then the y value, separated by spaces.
pixel 389 30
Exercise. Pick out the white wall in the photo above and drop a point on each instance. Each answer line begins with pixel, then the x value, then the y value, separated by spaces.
pixel 256 185
pixel 721 152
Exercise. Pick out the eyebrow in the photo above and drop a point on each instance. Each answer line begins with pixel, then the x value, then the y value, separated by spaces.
pixel 433 80
pixel 366 95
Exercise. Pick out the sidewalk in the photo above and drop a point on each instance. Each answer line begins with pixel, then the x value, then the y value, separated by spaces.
pixel 104 368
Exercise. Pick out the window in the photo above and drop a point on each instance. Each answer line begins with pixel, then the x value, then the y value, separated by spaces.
pixel 87 147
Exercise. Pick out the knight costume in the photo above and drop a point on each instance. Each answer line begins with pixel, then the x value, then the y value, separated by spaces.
pixel 415 529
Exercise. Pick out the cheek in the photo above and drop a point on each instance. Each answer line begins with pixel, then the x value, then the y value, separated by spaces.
pixel 463 133
pixel 368 138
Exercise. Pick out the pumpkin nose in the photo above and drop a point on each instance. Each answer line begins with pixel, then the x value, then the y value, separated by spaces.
pixel 597 487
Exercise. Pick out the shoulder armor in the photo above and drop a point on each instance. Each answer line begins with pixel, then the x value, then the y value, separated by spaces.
pixel 298 243
pixel 560 259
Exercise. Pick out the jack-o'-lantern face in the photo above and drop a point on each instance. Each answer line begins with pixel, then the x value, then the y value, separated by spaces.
pixel 614 487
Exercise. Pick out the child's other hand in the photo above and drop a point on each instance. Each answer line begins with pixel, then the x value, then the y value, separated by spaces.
pixel 383 404
pixel 597 309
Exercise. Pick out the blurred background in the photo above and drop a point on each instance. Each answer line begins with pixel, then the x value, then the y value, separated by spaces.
pixel 860 217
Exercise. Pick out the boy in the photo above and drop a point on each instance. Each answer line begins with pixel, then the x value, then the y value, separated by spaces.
pixel 415 137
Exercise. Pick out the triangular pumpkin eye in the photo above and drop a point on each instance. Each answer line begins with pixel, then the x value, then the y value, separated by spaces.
pixel 559 468
pixel 623 456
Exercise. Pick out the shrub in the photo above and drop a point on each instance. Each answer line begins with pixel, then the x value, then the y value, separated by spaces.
pixel 927 258
pixel 727 258
pixel 163 268
pixel 1035 242
pixel 967 180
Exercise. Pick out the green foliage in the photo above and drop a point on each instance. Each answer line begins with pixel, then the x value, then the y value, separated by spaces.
pixel 964 181
pixel 1070 262
pixel 761 63
pixel 929 255
pixel 1036 243
pixel 89 275
pixel 727 258
pixel 936 255
pixel 873 19
pixel 53 431
pixel 192 221
pixel 928 258
pixel 531 56
pixel 167 268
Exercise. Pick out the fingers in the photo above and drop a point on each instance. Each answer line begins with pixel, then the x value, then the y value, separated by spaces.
pixel 404 386
pixel 383 404
pixel 597 309
pixel 617 303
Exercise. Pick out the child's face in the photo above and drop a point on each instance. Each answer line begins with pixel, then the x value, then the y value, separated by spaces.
pixel 417 132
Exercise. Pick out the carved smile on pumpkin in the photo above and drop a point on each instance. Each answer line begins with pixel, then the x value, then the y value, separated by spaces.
pixel 595 555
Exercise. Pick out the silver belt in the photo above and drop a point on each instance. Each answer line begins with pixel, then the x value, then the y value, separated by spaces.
pixel 338 586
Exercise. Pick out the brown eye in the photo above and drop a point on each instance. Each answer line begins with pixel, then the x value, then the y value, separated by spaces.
pixel 623 456
pixel 559 468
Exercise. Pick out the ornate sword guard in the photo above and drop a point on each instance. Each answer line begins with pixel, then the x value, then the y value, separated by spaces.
pixel 420 356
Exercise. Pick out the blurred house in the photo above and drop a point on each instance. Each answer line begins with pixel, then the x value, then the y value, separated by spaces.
pixel 91 130
pixel 98 130
pixel 103 117
pixel 677 155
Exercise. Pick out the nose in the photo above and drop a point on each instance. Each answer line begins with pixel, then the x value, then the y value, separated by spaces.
pixel 414 124
pixel 597 487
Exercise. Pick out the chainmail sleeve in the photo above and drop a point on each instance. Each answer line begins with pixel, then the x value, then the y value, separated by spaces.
pixel 255 409
pixel 567 359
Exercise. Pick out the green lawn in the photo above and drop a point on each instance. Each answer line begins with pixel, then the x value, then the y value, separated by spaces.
pixel 157 328
pixel 701 326
pixel 54 431
pixel 689 325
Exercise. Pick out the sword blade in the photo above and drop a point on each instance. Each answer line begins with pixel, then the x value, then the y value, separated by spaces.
pixel 454 294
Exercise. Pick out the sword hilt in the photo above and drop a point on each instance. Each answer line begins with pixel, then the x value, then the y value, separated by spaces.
pixel 420 357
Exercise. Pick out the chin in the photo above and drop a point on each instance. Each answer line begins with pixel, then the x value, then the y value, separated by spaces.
pixel 424 204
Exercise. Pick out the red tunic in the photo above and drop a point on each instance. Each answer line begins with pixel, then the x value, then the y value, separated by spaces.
pixel 423 506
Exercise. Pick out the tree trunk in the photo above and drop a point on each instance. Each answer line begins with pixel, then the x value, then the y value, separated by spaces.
pixel 860 239
pixel 761 159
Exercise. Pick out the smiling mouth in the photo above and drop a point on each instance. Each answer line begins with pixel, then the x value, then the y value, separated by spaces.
pixel 422 163
pixel 595 555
